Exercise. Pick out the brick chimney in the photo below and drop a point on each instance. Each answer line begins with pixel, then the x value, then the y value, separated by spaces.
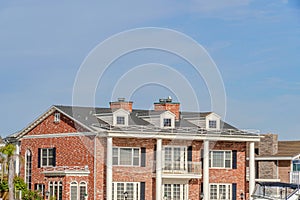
pixel 167 104
pixel 121 103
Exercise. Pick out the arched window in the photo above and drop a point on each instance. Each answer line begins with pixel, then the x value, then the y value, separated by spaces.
pixel 28 168
pixel 74 190
pixel 82 190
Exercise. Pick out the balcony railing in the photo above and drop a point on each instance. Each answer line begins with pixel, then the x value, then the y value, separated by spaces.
pixel 180 168
pixel 295 177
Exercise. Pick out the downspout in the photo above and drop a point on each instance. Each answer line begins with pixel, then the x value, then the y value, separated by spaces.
pixel 95 166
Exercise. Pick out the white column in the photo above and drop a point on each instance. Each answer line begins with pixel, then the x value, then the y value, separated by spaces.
pixel 251 169
pixel 109 169
pixel 206 170
pixel 17 169
pixel 158 169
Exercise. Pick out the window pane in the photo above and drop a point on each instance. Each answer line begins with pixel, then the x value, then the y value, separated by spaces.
pixel 218 159
pixel 167 191
pixel 129 190
pixel 82 190
pixel 167 122
pixel 125 156
pixel 73 192
pixel 213 192
pixel 176 191
pixel 50 152
pixel 120 191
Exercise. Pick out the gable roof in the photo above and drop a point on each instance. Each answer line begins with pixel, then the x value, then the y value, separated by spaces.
pixel 88 118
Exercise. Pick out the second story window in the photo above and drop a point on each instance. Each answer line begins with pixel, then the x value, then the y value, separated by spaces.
pixel 47 157
pixel 212 124
pixel 167 122
pixel 120 120
pixel 220 159
pixel 126 156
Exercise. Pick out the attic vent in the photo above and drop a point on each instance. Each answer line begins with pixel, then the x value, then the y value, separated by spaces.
pixel 56 117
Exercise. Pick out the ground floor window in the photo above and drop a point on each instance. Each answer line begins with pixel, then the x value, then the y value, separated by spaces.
pixel 130 190
pixel 220 191
pixel 55 190
pixel 175 191
pixel 40 188
pixel 78 192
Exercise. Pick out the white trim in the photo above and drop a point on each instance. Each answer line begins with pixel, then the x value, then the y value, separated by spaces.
pixel 272 158
pixel 66 173
pixel 267 180
pixel 132 156
pixel 56 135
pixel 43 116
pixel 183 136
pixel 136 189
pixel 211 154
pixel 228 190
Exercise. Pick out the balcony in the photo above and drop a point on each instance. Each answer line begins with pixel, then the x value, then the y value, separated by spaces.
pixel 181 169
pixel 66 170
pixel 295 177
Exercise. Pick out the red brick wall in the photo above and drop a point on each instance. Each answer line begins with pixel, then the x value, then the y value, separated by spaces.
pixel 173 107
pixel 48 126
pixel 125 105
pixel 137 174
pixel 70 151
pixel 231 175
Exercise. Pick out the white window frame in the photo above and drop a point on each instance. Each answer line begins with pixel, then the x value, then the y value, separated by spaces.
pixel 184 190
pixel 214 123
pixel 28 168
pixel 228 191
pixel 183 163
pixel 74 184
pixel 169 124
pixel 118 156
pixel 57 117
pixel 48 164
pixel 55 184
pixel 211 160
pixel 136 190
pixel 123 120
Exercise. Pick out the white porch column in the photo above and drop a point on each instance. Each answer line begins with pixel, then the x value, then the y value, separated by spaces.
pixel 17 169
pixel 251 169
pixel 158 169
pixel 206 170
pixel 109 175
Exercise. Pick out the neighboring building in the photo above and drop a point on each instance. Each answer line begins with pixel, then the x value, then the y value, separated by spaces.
pixel 277 160
pixel 124 153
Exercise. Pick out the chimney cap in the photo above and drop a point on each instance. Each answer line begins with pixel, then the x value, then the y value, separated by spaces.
pixel 121 99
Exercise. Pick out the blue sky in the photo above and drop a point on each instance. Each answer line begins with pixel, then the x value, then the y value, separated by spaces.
pixel 254 43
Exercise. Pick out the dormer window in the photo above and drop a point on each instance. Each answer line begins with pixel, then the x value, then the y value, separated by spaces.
pixel 120 120
pixel 56 117
pixel 167 122
pixel 212 124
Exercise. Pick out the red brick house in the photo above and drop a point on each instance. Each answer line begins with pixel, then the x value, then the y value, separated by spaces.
pixel 124 153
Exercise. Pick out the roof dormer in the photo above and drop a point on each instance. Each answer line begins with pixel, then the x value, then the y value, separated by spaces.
pixel 213 121
pixel 120 117
pixel 167 120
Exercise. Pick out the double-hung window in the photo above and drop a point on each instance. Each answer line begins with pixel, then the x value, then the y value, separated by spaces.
pixel 126 156
pixel 126 190
pixel 47 157
pixel 220 191
pixel 220 159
